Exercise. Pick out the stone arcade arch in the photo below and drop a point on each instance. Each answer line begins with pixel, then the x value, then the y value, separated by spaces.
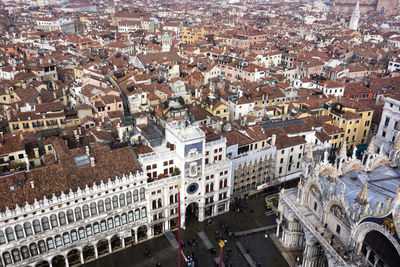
pixel 102 247
pixel 192 212
pixel 115 242
pixel 363 228
pixel 88 253
pixel 378 249
pixel 158 229
pixel 58 261
pixel 142 233
pixel 74 257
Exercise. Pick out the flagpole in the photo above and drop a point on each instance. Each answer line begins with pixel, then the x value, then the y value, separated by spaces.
pixel 179 222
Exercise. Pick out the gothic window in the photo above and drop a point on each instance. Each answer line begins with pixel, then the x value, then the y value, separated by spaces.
pixel 110 223
pixel 78 214
pixel 36 226
pixel 10 234
pixel 85 209
pixel 53 221
pixel 16 256
pixel 137 214
pixel 141 194
pixel 117 221
pixel 100 206
pixel 108 204
pixel 88 230
pixel 144 212
pixel 96 228
pixel 115 202
pixel 128 198
pixel 66 238
pixel 81 233
pixel 122 200
pixel 171 199
pixel 7 258
pixel 42 246
pixel 58 241
pixel 135 195
pixel 74 235
pixel 93 209
pixel 45 223
pixel 159 202
pixel 50 243
pixel 61 218
pixel 124 219
pixel 25 252
pixel 28 229
pixel 2 238
pixel 18 231
pixel 70 216
pixel 33 249
pixel 103 226
pixel 130 216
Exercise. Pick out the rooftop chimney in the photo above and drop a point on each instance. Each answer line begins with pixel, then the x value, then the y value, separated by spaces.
pixel 32 184
pixel 273 140
pixel 92 162
pixel 87 151
pixel 36 151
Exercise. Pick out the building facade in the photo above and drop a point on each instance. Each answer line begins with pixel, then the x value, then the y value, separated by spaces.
pixel 346 213
pixel 96 219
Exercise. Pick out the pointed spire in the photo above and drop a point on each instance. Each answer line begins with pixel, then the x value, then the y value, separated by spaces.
pixel 343 151
pixel 362 197
pixel 371 146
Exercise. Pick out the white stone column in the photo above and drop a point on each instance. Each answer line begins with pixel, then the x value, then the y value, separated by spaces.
pixel 277 230
pixel 82 259
pixel 66 262
pixel 376 261
pixel 136 239
pixel 149 232
pixel 109 245
pixel 201 213
pixel 123 242
pixel 96 254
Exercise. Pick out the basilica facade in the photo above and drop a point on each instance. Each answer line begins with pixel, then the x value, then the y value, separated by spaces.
pixel 345 213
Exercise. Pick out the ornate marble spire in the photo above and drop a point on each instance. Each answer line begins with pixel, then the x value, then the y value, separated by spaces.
pixel 397 145
pixel 362 197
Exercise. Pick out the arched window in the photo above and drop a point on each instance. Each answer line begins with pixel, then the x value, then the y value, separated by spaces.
pixel 108 204
pixel 16 255
pixel 66 238
pixel 74 235
pixel 137 214
pixel 176 197
pixel 117 221
pixel 110 223
pixel 36 226
pixel 225 182
pixel 53 221
pixel 96 228
pixel 159 203
pixel 58 241
pixel 45 224
pixel 128 197
pixel 93 209
pixel 2 238
pixel 207 188
pixel 122 200
pixel 10 234
pixel 103 226
pixel 144 214
pixel 171 199
pixel 61 218
pixel 33 249
pixel 18 231
pixel 25 252
pixel 88 230
pixel 7 258
pixel 81 233
pixel 124 218
pixel 115 202
pixel 135 195
pixel 85 209
pixel 78 214
pixel 141 193
pixel 50 243
pixel 100 206
pixel 70 216
pixel 42 246
pixel 154 204
pixel 221 183
pixel 28 228
pixel 130 216
pixel 212 187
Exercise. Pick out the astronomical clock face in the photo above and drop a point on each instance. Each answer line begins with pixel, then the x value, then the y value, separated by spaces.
pixel 192 188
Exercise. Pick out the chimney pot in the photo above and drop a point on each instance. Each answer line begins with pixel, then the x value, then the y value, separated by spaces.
pixel 92 162
pixel 32 184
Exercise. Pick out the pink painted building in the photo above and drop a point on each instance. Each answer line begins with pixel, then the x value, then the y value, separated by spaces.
pixel 241 70
pixel 245 41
